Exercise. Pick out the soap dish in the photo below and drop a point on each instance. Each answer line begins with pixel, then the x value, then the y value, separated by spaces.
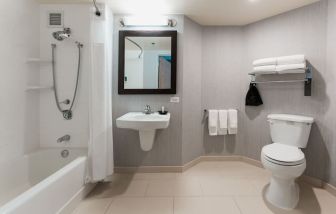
pixel 163 112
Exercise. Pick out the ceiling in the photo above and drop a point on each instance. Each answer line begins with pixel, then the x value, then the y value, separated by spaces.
pixel 204 12
pixel 149 43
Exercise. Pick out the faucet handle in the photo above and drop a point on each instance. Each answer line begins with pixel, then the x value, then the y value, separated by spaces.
pixel 148 109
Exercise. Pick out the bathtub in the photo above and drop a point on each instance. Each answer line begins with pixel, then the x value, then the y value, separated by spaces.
pixel 43 182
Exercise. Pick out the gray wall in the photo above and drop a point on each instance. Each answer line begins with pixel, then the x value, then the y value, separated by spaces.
pixel 192 134
pixel 329 115
pixel 300 31
pixel 167 146
pixel 226 55
pixel 222 68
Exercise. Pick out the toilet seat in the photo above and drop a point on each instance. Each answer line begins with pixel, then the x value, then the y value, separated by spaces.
pixel 282 154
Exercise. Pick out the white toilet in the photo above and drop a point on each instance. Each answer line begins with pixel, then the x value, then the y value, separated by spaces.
pixel 284 157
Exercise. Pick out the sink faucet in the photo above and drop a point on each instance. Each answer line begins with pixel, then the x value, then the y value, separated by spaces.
pixel 148 109
pixel 64 138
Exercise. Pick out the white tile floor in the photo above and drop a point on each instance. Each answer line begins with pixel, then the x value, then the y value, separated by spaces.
pixel 227 187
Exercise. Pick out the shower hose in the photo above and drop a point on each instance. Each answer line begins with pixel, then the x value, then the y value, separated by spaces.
pixel 67 113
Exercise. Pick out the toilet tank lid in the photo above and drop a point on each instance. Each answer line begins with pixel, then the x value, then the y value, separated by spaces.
pixel 290 117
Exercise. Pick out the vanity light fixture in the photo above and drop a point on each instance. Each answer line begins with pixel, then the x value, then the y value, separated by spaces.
pixel 147 21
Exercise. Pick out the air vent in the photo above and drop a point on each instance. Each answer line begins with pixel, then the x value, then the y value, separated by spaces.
pixel 55 19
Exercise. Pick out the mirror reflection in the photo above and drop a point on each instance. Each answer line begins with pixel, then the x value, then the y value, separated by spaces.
pixel 147 62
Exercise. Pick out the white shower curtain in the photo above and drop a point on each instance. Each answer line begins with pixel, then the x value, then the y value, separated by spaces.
pixel 100 111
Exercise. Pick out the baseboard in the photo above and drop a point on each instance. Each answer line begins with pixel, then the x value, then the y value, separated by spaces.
pixel 330 188
pixel 252 162
pixel 148 169
pixel 178 169
pixel 71 205
pixel 312 181
pixel 191 164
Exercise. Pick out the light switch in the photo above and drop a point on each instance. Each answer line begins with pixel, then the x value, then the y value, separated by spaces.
pixel 175 99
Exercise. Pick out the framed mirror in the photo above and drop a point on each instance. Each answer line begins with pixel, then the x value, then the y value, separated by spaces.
pixel 147 62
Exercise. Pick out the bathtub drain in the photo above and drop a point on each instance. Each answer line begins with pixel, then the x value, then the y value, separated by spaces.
pixel 65 153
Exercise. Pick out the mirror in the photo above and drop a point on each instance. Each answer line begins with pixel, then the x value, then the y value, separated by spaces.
pixel 147 62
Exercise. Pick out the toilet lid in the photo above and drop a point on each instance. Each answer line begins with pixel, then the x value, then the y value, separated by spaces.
pixel 283 154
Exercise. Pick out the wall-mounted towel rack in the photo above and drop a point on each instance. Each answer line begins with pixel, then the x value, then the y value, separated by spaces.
pixel 307 81
pixel 206 115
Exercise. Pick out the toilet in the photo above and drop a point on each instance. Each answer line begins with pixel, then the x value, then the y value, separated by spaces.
pixel 284 157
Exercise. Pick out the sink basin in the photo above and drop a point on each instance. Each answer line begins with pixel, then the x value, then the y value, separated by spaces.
pixel 141 121
pixel 146 124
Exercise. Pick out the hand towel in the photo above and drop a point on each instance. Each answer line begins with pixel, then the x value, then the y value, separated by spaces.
pixel 294 59
pixel 266 61
pixel 213 122
pixel 223 122
pixel 291 68
pixel 233 121
pixel 269 69
pixel 253 97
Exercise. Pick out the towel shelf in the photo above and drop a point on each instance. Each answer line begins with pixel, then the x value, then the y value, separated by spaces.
pixel 307 81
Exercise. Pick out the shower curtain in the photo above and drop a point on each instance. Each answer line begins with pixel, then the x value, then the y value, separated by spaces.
pixel 100 111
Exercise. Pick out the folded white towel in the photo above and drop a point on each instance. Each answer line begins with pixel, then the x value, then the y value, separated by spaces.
pixel 233 121
pixel 268 69
pixel 223 122
pixel 294 59
pixel 266 61
pixel 291 68
pixel 213 122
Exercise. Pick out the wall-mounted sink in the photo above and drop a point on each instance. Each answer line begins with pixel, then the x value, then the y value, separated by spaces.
pixel 146 124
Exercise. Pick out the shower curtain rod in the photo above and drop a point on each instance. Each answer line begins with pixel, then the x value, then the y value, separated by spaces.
pixel 136 44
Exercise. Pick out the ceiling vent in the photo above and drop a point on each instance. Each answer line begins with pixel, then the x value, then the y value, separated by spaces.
pixel 55 19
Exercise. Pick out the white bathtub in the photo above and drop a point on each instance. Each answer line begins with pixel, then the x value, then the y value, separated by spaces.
pixel 42 182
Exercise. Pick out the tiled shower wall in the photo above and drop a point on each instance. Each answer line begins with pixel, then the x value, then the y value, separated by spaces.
pixel 19 128
pixel 52 123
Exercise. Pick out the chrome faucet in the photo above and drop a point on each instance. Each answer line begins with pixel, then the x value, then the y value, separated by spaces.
pixel 64 138
pixel 148 109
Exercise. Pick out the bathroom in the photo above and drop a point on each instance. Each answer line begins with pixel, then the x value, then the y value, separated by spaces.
pixel 82 133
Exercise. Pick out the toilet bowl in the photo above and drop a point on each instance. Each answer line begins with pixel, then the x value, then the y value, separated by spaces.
pixel 285 159
pixel 283 192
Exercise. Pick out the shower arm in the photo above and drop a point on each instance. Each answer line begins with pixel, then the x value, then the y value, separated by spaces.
pixel 136 44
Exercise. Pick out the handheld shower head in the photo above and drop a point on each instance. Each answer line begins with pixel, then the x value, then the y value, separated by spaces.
pixel 61 35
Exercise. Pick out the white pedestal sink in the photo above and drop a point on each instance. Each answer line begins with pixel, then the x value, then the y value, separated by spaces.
pixel 146 124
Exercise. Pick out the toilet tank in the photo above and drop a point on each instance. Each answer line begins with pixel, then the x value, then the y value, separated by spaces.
pixel 289 129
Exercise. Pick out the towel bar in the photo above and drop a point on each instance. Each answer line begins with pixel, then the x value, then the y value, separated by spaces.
pixel 281 81
pixel 206 115
pixel 307 81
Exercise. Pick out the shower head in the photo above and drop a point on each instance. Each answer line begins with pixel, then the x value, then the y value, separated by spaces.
pixel 61 35
pixel 98 13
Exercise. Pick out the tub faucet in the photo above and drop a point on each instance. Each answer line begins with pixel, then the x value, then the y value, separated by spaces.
pixel 64 138
pixel 148 109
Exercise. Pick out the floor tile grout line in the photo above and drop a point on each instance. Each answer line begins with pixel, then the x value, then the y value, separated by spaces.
pixel 108 207
pixel 236 203
pixel 174 205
